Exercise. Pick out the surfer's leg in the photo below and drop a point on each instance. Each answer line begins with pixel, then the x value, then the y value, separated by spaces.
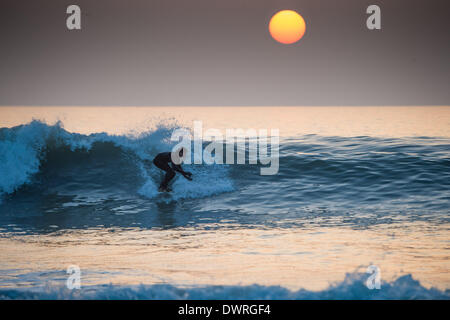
pixel 169 172
pixel 169 176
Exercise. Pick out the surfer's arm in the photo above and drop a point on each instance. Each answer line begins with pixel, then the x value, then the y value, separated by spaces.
pixel 179 169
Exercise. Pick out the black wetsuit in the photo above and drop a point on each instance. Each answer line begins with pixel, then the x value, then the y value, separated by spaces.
pixel 162 161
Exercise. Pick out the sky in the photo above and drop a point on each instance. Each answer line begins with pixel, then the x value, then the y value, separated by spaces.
pixel 220 53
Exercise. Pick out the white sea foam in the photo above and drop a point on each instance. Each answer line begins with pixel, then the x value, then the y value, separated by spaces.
pixel 353 287
pixel 207 180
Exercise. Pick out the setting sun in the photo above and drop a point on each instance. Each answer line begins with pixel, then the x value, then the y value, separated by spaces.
pixel 287 26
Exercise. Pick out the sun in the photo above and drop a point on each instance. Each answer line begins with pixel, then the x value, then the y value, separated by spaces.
pixel 287 26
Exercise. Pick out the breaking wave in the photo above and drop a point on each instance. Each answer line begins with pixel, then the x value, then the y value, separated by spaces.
pixel 42 154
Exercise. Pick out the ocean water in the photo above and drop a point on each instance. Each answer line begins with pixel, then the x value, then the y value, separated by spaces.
pixel 356 186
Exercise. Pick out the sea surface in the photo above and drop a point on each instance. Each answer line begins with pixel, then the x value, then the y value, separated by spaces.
pixel 356 187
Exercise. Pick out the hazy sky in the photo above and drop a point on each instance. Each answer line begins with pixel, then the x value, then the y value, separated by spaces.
pixel 210 52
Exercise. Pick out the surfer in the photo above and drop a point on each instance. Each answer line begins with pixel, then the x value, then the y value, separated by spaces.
pixel 170 162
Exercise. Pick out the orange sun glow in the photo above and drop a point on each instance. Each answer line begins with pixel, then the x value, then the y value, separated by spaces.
pixel 287 26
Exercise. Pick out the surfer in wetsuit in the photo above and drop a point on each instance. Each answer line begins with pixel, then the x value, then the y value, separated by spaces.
pixel 170 162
